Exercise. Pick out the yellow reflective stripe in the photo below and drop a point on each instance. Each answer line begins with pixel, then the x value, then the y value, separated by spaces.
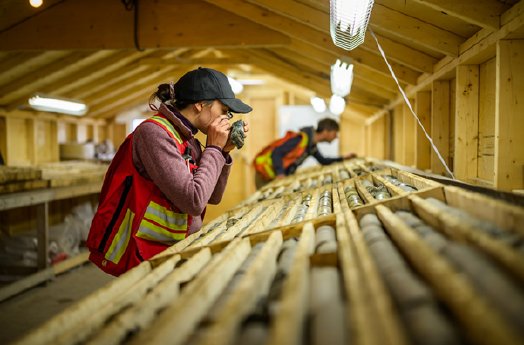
pixel 166 217
pixel 303 142
pixel 121 239
pixel 266 163
pixel 152 232
pixel 169 126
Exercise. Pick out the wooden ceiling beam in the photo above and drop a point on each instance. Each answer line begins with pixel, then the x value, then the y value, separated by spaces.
pixel 19 63
pixel 319 20
pixel 398 24
pixel 110 79
pixel 160 25
pixel 74 72
pixel 138 94
pixel 326 67
pixel 386 81
pixel 309 79
pixel 484 13
pixel 33 80
pixel 200 61
pixel 314 37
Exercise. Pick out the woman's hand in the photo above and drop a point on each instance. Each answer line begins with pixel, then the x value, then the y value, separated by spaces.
pixel 218 132
pixel 229 145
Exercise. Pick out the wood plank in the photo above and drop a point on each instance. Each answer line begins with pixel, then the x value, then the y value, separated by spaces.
pixel 77 313
pixel 466 123
pixel 304 33
pixel 287 327
pixel 144 311
pixel 398 24
pixel 409 135
pixel 487 95
pixel 454 227
pixel 35 279
pixel 178 320
pixel 484 13
pixel 476 49
pixel 377 299
pixel 423 146
pixel 482 322
pixel 440 124
pixel 257 279
pixel 319 20
pixel 92 31
pixel 509 126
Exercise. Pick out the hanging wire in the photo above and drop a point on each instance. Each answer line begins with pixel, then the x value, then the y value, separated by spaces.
pixel 131 5
pixel 406 99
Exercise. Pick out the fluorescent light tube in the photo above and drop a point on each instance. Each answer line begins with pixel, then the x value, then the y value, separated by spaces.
pixel 57 105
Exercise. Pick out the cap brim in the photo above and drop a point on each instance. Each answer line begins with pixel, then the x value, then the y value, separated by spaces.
pixel 236 105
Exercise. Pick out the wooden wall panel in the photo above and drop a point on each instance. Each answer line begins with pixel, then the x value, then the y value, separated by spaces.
pixel 486 149
pixel 377 139
pixel 46 142
pixel 398 132
pixel 17 142
pixel 452 112
pixel 409 135
pixel 509 125
pixel 466 125
pixel 3 138
pixel 352 137
pixel 423 146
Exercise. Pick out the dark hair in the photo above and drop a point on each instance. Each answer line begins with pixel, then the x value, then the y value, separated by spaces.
pixel 328 125
pixel 165 94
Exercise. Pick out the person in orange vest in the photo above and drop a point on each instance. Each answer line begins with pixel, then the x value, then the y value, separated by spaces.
pixel 161 179
pixel 283 156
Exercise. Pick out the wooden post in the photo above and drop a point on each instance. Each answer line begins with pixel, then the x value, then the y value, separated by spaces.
pixel 466 122
pixel 509 124
pixel 398 130
pixel 423 147
pixel 440 112
pixel 408 138
pixel 42 228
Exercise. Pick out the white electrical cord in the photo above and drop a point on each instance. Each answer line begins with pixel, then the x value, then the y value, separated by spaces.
pixel 410 107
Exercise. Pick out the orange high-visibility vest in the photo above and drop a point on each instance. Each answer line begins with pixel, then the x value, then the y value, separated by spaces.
pixel 134 220
pixel 263 161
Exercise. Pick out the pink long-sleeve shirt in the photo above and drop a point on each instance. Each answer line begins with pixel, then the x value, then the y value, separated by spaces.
pixel 157 158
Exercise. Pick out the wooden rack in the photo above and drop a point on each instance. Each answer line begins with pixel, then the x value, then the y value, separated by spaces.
pixel 254 270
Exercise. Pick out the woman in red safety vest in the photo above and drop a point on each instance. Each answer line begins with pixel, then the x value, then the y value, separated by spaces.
pixel 283 156
pixel 158 185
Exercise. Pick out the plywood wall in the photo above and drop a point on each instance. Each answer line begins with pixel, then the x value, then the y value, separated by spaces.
pixel 475 119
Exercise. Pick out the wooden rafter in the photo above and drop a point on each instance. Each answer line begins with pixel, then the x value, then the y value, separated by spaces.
pixel 319 20
pixel 314 37
pixel 484 13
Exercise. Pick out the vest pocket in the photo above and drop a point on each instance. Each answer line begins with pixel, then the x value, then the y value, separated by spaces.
pixel 107 233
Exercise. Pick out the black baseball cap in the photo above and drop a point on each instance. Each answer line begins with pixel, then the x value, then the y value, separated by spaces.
pixel 208 84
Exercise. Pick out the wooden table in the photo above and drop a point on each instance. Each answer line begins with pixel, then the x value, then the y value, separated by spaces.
pixel 41 199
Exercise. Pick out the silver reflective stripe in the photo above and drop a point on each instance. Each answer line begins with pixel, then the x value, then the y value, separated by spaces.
pixel 119 244
pixel 144 231
pixel 166 220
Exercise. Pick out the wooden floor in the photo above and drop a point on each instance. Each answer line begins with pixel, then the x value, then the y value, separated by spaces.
pixel 26 311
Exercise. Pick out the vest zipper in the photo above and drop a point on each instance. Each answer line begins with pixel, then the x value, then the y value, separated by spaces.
pixel 127 186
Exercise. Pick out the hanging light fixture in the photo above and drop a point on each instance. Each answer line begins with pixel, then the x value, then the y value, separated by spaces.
pixel 341 78
pixel 36 3
pixel 337 104
pixel 318 104
pixel 57 105
pixel 348 22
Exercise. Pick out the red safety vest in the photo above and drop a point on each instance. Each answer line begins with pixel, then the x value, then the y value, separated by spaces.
pixel 263 161
pixel 134 220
